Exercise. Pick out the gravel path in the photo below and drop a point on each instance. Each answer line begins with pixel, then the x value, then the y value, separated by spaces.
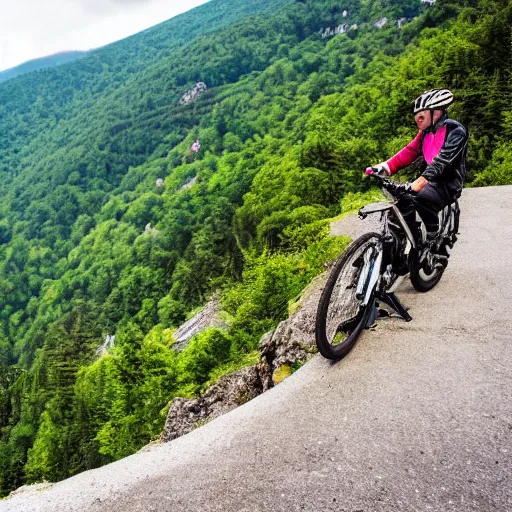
pixel 417 417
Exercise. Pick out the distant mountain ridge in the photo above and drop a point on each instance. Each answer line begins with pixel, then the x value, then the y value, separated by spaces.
pixel 149 45
pixel 42 63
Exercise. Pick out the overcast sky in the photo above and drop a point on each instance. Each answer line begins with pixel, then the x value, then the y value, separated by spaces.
pixel 36 28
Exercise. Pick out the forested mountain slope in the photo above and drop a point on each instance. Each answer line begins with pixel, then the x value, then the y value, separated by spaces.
pixel 41 63
pixel 91 246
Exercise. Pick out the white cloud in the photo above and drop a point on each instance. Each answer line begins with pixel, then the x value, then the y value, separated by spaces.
pixel 31 28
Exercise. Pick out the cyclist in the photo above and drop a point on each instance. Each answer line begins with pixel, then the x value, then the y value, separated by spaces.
pixel 443 144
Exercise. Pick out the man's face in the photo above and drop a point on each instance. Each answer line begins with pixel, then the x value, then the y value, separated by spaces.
pixel 424 118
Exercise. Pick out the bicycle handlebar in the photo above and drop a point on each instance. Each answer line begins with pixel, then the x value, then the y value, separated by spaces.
pixel 394 188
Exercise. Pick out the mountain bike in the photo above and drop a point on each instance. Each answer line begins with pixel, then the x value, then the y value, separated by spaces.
pixel 374 265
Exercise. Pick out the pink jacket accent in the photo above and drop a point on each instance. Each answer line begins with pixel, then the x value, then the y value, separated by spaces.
pixel 432 144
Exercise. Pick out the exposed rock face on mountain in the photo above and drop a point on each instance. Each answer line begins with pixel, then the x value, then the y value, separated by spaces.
pixel 292 343
pixel 189 184
pixel 229 392
pixel 207 317
pixel 193 94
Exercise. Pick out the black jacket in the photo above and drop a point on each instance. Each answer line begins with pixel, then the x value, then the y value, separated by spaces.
pixel 449 166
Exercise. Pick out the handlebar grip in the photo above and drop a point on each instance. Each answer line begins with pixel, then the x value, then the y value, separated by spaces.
pixel 397 189
pixel 372 171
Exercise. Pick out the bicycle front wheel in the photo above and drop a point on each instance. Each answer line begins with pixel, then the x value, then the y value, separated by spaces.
pixel 347 300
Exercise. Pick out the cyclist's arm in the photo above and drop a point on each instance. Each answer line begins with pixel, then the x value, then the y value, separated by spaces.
pixel 453 146
pixel 405 156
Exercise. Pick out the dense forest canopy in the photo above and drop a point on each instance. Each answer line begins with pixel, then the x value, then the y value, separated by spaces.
pixel 113 223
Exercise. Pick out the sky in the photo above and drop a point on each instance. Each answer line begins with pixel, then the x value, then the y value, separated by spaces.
pixel 36 28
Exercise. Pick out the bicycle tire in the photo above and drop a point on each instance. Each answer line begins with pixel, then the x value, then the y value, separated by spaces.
pixel 352 327
pixel 424 283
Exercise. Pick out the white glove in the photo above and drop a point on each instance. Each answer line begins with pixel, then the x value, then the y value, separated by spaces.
pixel 383 168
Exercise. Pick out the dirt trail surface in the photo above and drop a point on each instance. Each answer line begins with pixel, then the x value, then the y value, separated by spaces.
pixel 417 417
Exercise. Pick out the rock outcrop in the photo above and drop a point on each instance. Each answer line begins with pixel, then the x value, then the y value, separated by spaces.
pixel 290 345
pixel 293 341
pixel 189 183
pixel 229 392
pixel 193 94
pixel 207 317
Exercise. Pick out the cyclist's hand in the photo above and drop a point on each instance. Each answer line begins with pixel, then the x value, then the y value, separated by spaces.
pixel 418 184
pixel 382 169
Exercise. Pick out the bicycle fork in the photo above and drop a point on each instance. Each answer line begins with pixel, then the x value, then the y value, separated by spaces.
pixel 368 282
pixel 372 261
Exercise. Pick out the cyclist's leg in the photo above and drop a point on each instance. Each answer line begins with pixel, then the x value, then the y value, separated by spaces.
pixel 428 203
pixel 407 206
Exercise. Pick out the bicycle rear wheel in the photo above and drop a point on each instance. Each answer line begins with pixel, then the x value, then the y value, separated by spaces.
pixel 341 314
pixel 424 278
pixel 425 275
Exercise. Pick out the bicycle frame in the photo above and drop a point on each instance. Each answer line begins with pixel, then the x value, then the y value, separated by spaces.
pixel 384 209
pixel 403 225
pixel 369 285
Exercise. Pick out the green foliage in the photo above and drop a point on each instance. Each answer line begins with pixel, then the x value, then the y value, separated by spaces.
pixel 271 281
pixel 499 170
pixel 44 458
pixel 236 363
pixel 205 352
pixel 355 200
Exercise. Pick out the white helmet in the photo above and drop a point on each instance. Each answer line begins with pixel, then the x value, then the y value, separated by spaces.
pixel 435 99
